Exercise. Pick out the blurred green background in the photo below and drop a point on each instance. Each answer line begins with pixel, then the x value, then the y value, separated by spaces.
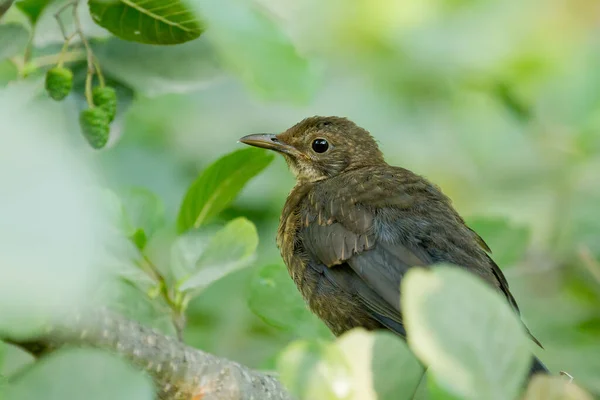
pixel 497 102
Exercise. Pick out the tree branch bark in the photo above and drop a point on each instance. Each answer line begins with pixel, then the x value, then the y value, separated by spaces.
pixel 179 371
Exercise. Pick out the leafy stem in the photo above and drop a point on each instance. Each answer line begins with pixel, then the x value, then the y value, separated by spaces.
pixel 176 300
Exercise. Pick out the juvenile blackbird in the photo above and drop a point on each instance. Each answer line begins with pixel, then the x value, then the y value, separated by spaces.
pixel 353 225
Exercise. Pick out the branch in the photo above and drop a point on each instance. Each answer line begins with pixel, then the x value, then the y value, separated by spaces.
pixel 179 371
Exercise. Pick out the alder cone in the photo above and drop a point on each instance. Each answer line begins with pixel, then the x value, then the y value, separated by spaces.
pixel 95 126
pixel 59 82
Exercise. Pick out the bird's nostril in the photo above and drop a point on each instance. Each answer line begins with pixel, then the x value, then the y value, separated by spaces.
pixel 274 139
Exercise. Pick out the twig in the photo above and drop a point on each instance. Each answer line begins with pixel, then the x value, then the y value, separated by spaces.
pixel 89 56
pixel 176 304
pixel 179 371
pixel 67 57
pixel 57 15
pixel 59 21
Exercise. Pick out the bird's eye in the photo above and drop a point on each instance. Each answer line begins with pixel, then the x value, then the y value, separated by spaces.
pixel 320 145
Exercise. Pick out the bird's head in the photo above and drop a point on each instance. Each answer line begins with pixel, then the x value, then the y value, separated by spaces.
pixel 317 148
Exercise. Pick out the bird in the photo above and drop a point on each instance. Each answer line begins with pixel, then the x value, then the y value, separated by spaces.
pixel 353 225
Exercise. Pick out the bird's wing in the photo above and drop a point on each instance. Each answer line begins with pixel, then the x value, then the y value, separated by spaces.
pixel 378 227
pixel 341 234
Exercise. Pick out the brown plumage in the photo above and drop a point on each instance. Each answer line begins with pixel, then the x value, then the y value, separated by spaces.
pixel 353 225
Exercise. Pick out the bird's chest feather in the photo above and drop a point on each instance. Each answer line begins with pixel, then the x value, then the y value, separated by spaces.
pixel 338 309
pixel 288 234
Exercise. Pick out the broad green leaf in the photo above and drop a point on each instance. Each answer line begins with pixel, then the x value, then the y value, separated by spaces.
pixel 359 365
pixel 390 356
pixel 544 387
pixel 275 299
pixel 257 50
pixel 185 251
pixel 50 247
pixel 174 69
pixel 435 392
pixel 129 296
pixel 8 72
pixel 507 241
pixel 230 249
pixel 143 214
pixel 81 374
pixel 32 8
pixel 313 370
pixel 151 22
pixel 14 40
pixel 465 332
pixel 376 359
pixel 218 186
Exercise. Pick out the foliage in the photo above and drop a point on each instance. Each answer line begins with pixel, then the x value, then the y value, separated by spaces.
pixel 218 186
pixel 157 225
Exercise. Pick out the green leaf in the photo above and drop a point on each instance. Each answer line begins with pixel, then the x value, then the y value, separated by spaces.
pixel 32 8
pixel 185 251
pixel 151 22
pixel 543 387
pixel 81 374
pixel 275 299
pixel 174 69
pixel 507 241
pixel 143 214
pixel 14 40
pixel 219 184
pixel 313 370
pixel 128 294
pixel 382 365
pixel 359 365
pixel 50 250
pixel 391 355
pixel 256 49
pixel 453 322
pixel 231 248
pixel 435 391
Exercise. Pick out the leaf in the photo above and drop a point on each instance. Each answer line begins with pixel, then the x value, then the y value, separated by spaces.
pixel 390 356
pixel 275 299
pixel 174 69
pixel 219 184
pixel 127 297
pixel 253 47
pixel 81 374
pixel 359 365
pixel 313 370
pixel 507 241
pixel 151 22
pixel 453 322
pixel 435 391
pixel 185 251
pixel 544 387
pixel 32 8
pixel 143 214
pixel 231 248
pixel 382 365
pixel 50 248
pixel 14 40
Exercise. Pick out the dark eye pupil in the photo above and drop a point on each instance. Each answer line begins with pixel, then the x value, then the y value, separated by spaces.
pixel 320 145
